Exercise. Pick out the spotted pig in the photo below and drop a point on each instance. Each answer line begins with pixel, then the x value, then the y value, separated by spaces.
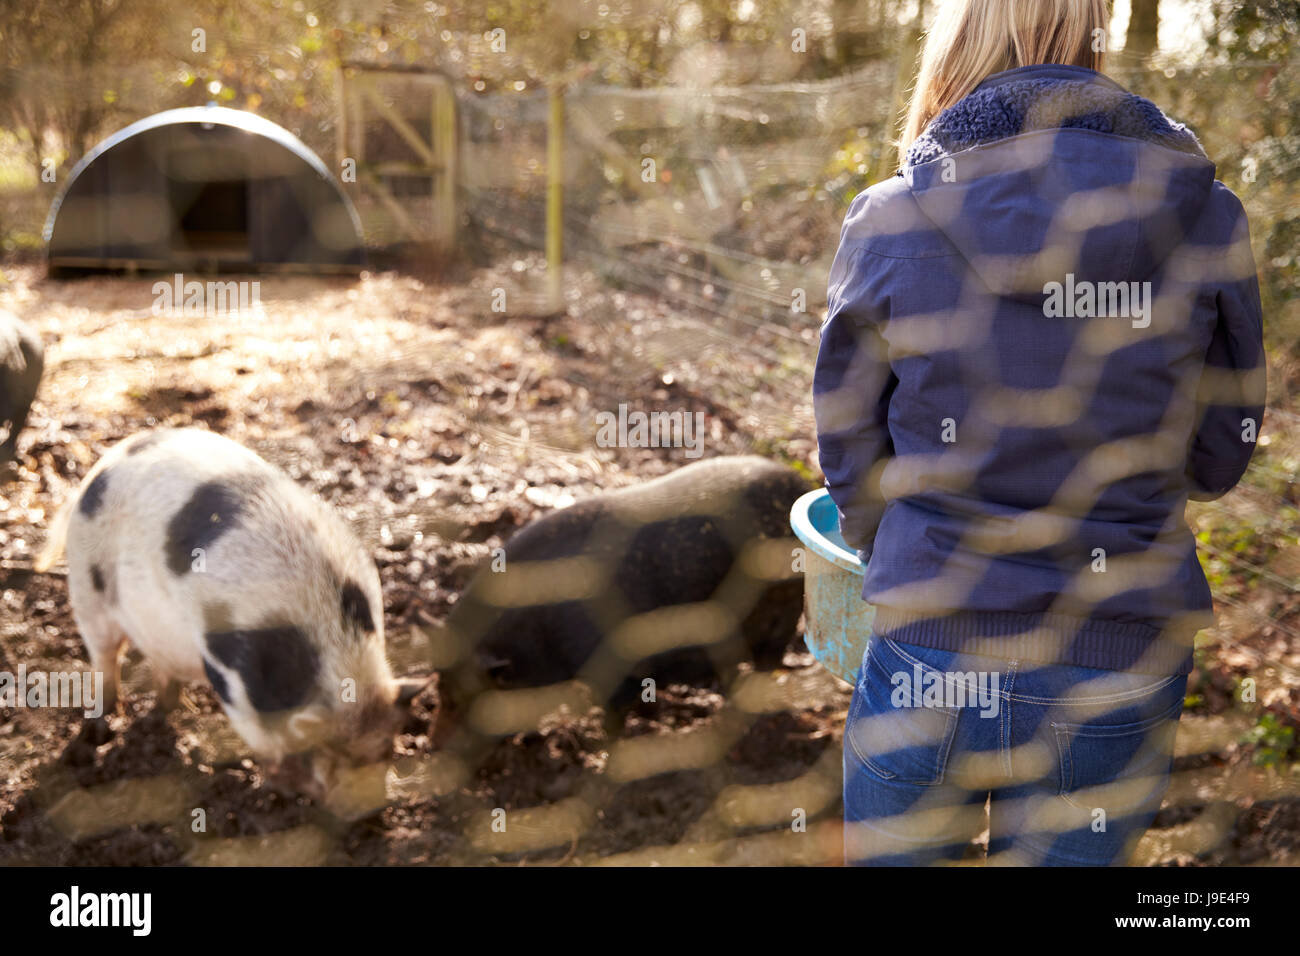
pixel 675 579
pixel 22 359
pixel 216 566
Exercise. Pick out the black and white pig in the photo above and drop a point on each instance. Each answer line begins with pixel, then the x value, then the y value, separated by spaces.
pixel 215 564
pixel 22 360
pixel 695 568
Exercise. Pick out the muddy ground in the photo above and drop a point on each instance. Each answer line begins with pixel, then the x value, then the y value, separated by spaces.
pixel 440 426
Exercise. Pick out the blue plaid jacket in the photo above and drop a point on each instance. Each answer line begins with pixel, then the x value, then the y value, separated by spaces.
pixel 1043 336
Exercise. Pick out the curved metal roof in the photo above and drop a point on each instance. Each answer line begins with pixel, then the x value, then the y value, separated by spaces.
pixel 210 115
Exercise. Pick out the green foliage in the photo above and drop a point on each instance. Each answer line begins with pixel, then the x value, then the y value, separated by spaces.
pixel 1233 538
pixel 779 451
pixel 1243 100
pixel 849 170
pixel 71 72
pixel 1274 741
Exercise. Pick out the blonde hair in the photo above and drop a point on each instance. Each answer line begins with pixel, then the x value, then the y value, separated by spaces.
pixel 970 40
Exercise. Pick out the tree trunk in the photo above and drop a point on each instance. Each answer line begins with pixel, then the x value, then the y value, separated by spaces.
pixel 855 41
pixel 1143 27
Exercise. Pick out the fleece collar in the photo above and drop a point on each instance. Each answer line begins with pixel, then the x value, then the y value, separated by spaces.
pixel 1047 96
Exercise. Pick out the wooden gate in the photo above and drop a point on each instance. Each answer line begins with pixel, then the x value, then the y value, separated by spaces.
pixel 397 136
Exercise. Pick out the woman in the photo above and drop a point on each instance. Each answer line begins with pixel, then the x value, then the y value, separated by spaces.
pixel 1044 336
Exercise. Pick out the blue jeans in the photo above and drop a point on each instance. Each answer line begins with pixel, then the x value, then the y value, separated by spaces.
pixel 1072 761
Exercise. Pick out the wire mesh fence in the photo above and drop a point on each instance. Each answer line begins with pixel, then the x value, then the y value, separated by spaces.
pixel 726 203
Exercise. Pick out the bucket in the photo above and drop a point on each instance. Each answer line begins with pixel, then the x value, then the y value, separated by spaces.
pixel 838 620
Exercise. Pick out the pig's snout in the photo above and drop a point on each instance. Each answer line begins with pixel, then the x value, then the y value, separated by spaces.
pixel 374 746
pixel 300 774
pixel 367 731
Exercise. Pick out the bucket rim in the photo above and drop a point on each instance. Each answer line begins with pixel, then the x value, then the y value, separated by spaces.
pixel 805 531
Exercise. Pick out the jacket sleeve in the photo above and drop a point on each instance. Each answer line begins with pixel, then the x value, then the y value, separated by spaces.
pixel 1230 398
pixel 852 386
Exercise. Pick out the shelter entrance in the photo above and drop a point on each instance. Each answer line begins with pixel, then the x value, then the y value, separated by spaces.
pixel 210 192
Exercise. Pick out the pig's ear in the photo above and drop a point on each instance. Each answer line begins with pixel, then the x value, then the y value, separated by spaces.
pixel 408 688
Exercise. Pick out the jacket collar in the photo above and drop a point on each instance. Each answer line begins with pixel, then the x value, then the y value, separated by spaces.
pixel 1047 71
pixel 1047 96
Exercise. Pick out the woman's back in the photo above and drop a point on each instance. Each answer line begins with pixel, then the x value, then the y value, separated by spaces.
pixel 1043 336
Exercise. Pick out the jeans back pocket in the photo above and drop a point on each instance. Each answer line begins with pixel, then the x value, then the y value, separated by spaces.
pixel 1122 767
pixel 890 729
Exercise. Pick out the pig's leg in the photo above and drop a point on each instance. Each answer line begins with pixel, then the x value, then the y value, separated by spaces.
pixel 169 691
pixel 15 415
pixel 9 447
pixel 105 642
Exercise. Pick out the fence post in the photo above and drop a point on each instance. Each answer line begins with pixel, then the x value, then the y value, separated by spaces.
pixel 555 200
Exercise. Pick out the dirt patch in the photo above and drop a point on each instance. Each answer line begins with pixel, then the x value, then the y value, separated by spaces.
pixel 439 427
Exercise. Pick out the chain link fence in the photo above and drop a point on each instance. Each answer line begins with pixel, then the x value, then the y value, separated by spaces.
pixel 726 204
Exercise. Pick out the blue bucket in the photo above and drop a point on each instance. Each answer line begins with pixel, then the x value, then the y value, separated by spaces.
pixel 838 620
